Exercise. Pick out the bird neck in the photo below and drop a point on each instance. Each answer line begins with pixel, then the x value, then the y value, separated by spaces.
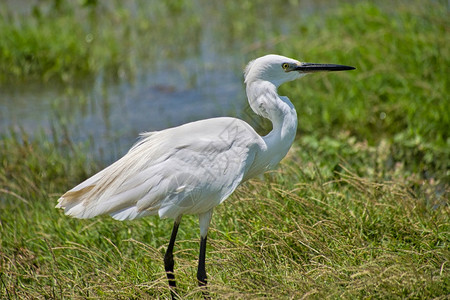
pixel 265 101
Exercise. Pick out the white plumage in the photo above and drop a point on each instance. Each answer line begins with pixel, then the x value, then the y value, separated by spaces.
pixel 190 169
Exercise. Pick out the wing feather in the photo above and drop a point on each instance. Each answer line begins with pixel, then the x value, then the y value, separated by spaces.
pixel 182 170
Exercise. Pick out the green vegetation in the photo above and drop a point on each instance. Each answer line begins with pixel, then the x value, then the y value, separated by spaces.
pixel 69 40
pixel 400 91
pixel 52 45
pixel 358 209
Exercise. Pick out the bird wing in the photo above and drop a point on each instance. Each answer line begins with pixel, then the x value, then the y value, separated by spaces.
pixel 182 170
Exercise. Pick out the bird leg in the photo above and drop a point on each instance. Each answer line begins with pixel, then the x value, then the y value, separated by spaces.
pixel 204 220
pixel 201 272
pixel 168 259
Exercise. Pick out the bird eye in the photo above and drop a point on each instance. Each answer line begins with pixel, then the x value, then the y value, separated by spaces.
pixel 285 66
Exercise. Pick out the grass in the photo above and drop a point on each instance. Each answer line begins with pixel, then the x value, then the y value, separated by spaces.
pixel 358 209
pixel 71 41
pixel 300 231
pixel 49 45
pixel 398 93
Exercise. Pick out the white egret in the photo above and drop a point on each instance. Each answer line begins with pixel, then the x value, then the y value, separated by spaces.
pixel 192 168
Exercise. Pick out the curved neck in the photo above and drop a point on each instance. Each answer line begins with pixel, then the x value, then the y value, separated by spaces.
pixel 265 101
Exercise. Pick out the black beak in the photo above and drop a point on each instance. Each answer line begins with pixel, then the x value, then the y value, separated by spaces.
pixel 310 67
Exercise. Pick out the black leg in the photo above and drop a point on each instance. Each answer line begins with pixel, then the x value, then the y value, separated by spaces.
pixel 201 272
pixel 168 259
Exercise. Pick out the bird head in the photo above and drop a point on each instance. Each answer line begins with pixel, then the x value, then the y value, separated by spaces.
pixel 279 69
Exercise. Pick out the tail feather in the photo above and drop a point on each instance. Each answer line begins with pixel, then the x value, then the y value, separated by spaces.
pixel 73 202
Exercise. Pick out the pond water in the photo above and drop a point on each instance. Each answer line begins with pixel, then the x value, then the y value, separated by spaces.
pixel 202 80
pixel 110 116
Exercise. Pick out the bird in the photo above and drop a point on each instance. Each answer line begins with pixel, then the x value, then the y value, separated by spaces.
pixel 192 168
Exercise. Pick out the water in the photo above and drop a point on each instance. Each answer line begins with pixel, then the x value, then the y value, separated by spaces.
pixel 111 116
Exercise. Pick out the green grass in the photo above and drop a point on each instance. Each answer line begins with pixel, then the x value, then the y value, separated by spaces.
pixel 300 231
pixel 358 209
pixel 45 47
pixel 71 41
pixel 399 92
